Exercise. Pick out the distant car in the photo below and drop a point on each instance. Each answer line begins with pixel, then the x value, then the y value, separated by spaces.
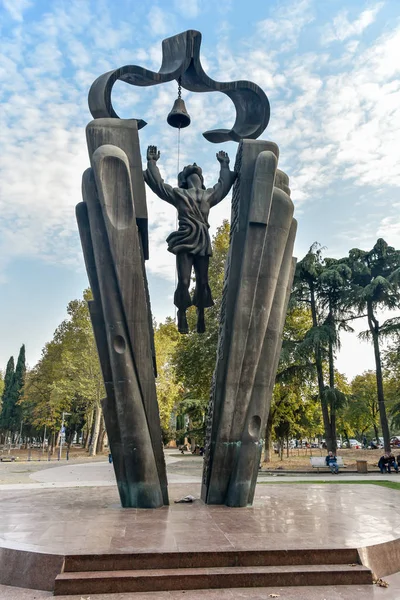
pixel 353 444
pixel 395 440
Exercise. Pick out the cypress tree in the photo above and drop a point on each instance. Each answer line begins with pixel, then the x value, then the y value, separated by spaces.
pixel 10 417
pixel 19 380
pixel 7 394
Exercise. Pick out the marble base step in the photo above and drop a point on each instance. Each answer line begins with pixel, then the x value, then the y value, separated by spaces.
pixel 227 558
pixel 155 580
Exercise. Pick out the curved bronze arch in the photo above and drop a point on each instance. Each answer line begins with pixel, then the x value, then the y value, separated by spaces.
pixel 181 58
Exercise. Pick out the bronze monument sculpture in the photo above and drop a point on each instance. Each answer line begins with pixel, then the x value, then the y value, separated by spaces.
pixel 112 222
pixel 191 243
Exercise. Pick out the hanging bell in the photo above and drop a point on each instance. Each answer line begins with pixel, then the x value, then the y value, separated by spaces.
pixel 179 116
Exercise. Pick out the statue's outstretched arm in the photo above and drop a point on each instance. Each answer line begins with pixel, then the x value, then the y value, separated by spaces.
pixel 225 181
pixel 152 177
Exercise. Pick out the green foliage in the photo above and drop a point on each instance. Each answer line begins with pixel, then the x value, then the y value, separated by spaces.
pixel 361 416
pixel 391 373
pixel 10 417
pixel 166 337
pixel 322 285
pixel 294 410
pixel 1 388
pixel 375 285
pixel 7 396
pixel 67 377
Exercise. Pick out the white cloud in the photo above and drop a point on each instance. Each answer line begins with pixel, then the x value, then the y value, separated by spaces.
pixel 16 8
pixel 190 9
pixel 283 30
pixel 389 228
pixel 159 21
pixel 342 29
pixel 337 121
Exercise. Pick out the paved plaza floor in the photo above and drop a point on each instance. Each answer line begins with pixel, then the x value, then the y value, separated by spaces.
pixel 90 520
pixel 74 508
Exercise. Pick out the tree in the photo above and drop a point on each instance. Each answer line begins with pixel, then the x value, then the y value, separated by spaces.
pixel 10 419
pixel 321 286
pixel 19 381
pixel 1 387
pixel 334 288
pixel 166 337
pixel 362 411
pixel 391 381
pixel 375 286
pixel 294 380
pixel 7 397
pixel 40 407
pixel 67 378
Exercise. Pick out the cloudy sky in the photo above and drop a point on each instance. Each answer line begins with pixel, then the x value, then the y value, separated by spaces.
pixel 329 67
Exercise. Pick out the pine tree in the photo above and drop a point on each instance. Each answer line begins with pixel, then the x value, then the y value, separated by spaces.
pixel 376 286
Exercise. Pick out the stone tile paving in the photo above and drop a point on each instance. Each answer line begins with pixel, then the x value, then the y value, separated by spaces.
pixel 90 520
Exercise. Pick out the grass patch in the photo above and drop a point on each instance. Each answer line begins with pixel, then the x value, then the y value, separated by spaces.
pixel 388 484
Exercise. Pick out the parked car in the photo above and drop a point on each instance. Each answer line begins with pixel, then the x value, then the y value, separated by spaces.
pixel 395 440
pixel 353 444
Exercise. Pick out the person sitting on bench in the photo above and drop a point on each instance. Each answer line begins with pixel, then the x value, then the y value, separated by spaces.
pixel 387 462
pixel 331 462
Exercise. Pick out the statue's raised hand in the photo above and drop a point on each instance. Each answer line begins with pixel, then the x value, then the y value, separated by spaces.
pixel 222 157
pixel 153 153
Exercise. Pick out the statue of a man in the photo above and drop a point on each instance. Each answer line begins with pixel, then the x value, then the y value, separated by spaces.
pixel 191 243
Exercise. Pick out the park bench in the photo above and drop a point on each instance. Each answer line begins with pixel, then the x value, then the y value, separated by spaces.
pixel 318 462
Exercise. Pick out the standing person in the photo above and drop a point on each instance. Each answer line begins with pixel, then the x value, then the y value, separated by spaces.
pixel 191 243
pixel 331 462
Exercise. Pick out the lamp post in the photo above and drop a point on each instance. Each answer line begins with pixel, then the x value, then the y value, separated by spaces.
pixel 62 433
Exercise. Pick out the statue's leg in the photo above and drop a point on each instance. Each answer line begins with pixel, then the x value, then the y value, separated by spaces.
pixel 182 299
pixel 202 297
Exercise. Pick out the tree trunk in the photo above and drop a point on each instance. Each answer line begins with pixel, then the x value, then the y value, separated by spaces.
pixel 320 376
pixel 332 405
pixel 95 431
pixel 100 441
pixel 89 425
pixel 85 437
pixel 376 432
pixel 268 439
pixel 374 328
pixel 53 439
